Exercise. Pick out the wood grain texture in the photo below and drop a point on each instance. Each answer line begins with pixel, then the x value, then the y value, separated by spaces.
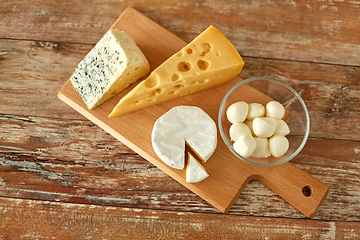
pixel 51 153
pixel 228 175
pixel 36 67
pixel 75 161
pixel 80 221
pixel 314 31
pixel 41 64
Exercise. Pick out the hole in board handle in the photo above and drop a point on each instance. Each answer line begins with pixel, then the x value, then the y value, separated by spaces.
pixel 307 191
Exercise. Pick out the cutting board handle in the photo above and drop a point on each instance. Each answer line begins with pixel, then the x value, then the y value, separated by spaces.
pixel 297 187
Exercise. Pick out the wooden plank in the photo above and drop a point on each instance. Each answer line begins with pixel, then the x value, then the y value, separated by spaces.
pixel 34 71
pixel 328 124
pixel 40 67
pixel 228 175
pixel 79 221
pixel 75 161
pixel 316 50
pixel 306 72
pixel 316 32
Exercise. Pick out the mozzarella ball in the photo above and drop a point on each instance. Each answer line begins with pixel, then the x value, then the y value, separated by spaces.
pixel 237 112
pixel 249 123
pixel 255 110
pixel 275 109
pixel 281 128
pixel 245 145
pixel 238 129
pixel 262 148
pixel 278 145
pixel 264 126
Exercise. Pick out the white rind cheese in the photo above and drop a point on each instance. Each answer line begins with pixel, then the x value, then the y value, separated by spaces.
pixel 194 171
pixel 112 65
pixel 179 125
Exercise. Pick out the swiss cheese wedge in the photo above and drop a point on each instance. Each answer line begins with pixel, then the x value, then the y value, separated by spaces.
pixel 208 61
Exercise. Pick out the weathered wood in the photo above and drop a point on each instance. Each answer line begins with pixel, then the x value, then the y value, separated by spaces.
pixel 325 31
pixel 330 92
pixel 227 175
pixel 75 161
pixel 32 74
pixel 78 221
pixel 301 71
pixel 50 153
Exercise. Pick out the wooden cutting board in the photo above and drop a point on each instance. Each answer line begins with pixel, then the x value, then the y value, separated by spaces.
pixel 228 174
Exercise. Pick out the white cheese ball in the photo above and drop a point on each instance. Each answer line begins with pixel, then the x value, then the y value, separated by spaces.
pixel 282 128
pixel 278 145
pixel 245 145
pixel 238 129
pixel 264 126
pixel 237 112
pixel 255 110
pixel 262 148
pixel 249 123
pixel 275 109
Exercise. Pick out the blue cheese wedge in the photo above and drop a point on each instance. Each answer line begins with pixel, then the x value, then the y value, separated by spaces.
pixel 194 171
pixel 111 66
pixel 183 125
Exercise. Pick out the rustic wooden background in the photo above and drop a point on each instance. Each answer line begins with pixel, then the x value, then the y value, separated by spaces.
pixel 63 177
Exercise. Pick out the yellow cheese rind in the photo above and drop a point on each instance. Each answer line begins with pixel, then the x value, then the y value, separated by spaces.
pixel 208 61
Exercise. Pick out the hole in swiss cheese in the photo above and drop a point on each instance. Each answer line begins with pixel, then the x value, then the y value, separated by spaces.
pixel 184 66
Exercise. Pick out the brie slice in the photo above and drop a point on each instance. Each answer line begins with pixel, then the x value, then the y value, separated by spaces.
pixel 194 171
pixel 180 125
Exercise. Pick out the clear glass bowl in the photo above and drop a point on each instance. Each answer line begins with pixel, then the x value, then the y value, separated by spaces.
pixel 262 90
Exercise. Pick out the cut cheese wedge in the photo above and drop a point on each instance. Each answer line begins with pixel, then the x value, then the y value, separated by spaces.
pixel 179 125
pixel 194 171
pixel 208 61
pixel 111 66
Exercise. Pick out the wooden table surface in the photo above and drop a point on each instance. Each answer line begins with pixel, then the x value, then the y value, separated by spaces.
pixel 62 177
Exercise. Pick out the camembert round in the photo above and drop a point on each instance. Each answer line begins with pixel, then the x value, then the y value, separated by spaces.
pixel 181 125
